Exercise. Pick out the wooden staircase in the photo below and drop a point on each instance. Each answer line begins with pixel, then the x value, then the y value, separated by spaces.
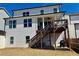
pixel 40 35
pixel 52 28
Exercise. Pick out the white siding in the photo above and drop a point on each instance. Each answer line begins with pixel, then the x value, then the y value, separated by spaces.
pixel 20 33
pixel 36 11
pixel 74 19
pixel 2 41
pixel 77 30
pixel 3 14
pixel 70 27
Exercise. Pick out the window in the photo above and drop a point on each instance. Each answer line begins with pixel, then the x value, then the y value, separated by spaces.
pixel 42 11
pixel 11 40
pixel 27 22
pixel 55 10
pixel 27 39
pixel 12 24
pixel 25 13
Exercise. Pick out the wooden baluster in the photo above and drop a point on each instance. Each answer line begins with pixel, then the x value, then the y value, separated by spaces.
pixel 41 39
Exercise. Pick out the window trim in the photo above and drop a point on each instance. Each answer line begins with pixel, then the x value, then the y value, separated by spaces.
pixel 12 24
pixel 25 14
pixel 27 40
pixel 41 12
pixel 27 23
pixel 55 10
pixel 11 40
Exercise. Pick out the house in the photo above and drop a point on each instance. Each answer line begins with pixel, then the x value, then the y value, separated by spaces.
pixel 41 27
pixel 3 14
pixel 74 21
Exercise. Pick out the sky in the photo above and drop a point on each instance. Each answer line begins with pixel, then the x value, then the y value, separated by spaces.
pixel 67 7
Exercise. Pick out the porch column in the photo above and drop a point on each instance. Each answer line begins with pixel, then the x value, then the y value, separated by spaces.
pixel 54 31
pixel 43 21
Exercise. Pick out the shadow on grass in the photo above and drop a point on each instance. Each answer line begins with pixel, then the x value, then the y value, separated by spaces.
pixel 60 49
pixel 76 50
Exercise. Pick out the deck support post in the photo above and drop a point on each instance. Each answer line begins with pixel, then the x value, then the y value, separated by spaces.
pixel 54 30
pixel 41 41
pixel 65 37
pixel 55 40
pixel 69 40
pixel 54 35
pixel 43 22
pixel 41 44
pixel 50 39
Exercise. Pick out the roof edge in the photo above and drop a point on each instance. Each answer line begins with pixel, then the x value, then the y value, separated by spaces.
pixel 33 15
pixel 2 8
pixel 59 4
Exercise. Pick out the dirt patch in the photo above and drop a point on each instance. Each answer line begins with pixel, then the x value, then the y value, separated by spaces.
pixel 35 52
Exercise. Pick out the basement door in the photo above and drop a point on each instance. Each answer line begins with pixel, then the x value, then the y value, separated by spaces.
pixel 77 30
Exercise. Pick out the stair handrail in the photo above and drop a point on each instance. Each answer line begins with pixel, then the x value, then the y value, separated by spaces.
pixel 43 31
pixel 60 25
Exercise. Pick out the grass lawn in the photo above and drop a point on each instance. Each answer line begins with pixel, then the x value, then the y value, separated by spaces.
pixel 35 52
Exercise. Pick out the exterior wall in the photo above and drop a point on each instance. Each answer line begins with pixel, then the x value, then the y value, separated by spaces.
pixel 36 11
pixel 19 33
pixel 2 41
pixel 70 27
pixel 3 14
pixel 72 31
pixel 75 21
pixel 77 30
